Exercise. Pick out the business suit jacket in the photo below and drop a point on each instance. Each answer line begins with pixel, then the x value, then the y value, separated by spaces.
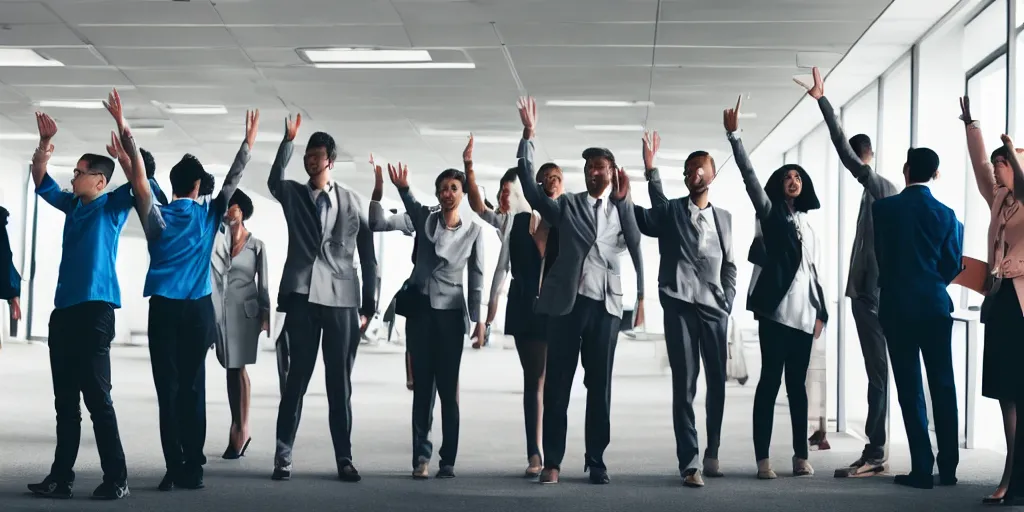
pixel 10 279
pixel 331 256
pixel 577 233
pixel 862 282
pixel 919 246
pixel 438 270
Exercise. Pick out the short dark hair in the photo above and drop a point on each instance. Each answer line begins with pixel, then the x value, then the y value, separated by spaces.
pixel 1000 151
pixel 244 203
pixel 544 170
pixel 99 163
pixel 147 158
pixel 861 145
pixel 923 165
pixel 324 140
pixel 206 184
pixel 702 154
pixel 510 176
pixel 185 174
pixel 450 174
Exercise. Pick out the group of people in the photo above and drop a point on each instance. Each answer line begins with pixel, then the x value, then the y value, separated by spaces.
pixel 564 303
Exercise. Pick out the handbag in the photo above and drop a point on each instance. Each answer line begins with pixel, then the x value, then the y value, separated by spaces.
pixel 405 300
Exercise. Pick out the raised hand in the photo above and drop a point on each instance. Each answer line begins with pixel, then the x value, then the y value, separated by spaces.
pixel 113 104
pixel 1008 142
pixel 528 115
pixel 620 184
pixel 47 129
pixel 117 152
pixel 128 145
pixel 731 117
pixel 965 110
pixel 378 173
pixel 252 124
pixel 291 127
pixel 815 91
pixel 399 175
pixel 652 142
pixel 467 154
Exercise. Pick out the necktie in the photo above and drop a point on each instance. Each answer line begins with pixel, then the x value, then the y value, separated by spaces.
pixel 597 216
pixel 322 203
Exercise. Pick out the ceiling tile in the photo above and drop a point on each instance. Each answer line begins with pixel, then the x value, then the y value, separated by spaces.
pixel 165 37
pixel 310 12
pixel 62 76
pixel 525 11
pixel 133 12
pixel 700 11
pixel 50 34
pixel 80 56
pixel 576 34
pixel 175 58
pixel 17 13
pixel 771 35
pixel 303 37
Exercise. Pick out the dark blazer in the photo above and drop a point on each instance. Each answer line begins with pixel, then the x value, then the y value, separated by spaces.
pixel 570 214
pixel 10 279
pixel 668 220
pixel 919 246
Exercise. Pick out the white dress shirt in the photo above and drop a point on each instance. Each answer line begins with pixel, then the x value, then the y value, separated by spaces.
pixel 610 243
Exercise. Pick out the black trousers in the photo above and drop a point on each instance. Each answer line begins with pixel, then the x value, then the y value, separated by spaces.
pixel 79 344
pixel 693 331
pixel 590 332
pixel 910 341
pixel 304 324
pixel 181 333
pixel 783 350
pixel 876 363
pixel 435 340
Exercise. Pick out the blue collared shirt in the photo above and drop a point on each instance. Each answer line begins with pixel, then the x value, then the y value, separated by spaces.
pixel 179 266
pixel 88 268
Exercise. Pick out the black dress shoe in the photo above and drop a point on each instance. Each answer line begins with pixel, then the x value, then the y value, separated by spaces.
pixel 50 488
pixel 167 483
pixel 915 481
pixel 599 476
pixel 348 473
pixel 190 479
pixel 947 481
pixel 446 471
pixel 281 474
pixel 111 491
pixel 232 454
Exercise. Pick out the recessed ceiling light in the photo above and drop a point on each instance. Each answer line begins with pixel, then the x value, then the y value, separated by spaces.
pixel 85 104
pixel 25 57
pixel 609 128
pixel 18 136
pixel 147 129
pixel 328 55
pixel 395 65
pixel 431 132
pixel 184 109
pixel 597 103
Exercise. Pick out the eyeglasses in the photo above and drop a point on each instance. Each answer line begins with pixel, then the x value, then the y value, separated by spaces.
pixel 79 172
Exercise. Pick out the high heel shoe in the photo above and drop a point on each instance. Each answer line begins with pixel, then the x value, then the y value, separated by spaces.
pixel 232 454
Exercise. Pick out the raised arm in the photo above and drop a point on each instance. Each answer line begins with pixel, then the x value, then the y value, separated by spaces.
pixel 476 278
pixel 762 205
pixel 379 221
pixel 984 174
pixel 275 182
pixel 46 187
pixel 414 209
pixel 651 144
pixel 1018 174
pixel 550 209
pixel 149 213
pixel 500 273
pixel 368 267
pixel 230 185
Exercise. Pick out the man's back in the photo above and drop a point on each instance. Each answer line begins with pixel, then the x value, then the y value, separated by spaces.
pixel 918 245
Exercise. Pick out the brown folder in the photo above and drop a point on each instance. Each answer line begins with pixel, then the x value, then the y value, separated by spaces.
pixel 974 275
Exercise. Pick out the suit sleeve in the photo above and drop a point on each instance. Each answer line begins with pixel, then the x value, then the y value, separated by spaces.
pixel 631 233
pixel 276 181
pixel 367 266
pixel 878 220
pixel 650 220
pixel 728 275
pixel 263 283
pixel 476 278
pixel 550 209
pixel 654 188
pixel 952 251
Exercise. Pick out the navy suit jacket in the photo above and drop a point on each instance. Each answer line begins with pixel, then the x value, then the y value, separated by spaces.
pixel 919 246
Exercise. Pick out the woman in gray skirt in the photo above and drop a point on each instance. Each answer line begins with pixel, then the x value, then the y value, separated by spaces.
pixel 242 305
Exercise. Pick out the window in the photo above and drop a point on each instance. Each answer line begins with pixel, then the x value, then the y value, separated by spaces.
pixel 985 33
pixel 894 140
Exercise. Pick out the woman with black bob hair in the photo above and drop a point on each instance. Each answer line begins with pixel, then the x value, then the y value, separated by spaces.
pixel 437 311
pixel 785 296
pixel 241 303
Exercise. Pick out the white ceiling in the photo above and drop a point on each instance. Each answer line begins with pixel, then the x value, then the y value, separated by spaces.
pixel 690 57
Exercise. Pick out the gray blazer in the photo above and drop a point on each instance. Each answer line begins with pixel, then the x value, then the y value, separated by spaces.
pixel 380 221
pixel 862 282
pixel 668 220
pixel 570 215
pixel 438 272
pixel 324 262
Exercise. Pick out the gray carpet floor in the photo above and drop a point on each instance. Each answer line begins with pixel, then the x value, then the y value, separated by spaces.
pixel 491 460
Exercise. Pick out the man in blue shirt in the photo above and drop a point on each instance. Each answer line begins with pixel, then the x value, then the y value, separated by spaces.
pixel 82 322
pixel 181 317
pixel 10 281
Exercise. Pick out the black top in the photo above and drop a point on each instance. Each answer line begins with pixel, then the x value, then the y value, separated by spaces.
pixel 525 258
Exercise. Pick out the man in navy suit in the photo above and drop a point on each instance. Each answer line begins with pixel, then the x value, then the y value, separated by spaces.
pixel 918 245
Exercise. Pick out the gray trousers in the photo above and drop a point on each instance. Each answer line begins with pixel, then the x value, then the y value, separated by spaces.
pixel 876 363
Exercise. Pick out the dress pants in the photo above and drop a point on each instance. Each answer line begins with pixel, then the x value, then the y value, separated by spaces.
pixel 693 331
pixel 303 325
pixel 181 332
pixel 876 363
pixel 910 340
pixel 435 339
pixel 79 344
pixel 590 332
pixel 784 350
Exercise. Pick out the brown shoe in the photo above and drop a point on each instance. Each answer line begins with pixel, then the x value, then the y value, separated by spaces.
pixel 535 467
pixel 422 471
pixel 549 476
pixel 693 479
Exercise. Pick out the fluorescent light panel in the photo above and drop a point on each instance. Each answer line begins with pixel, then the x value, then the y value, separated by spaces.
pixel 183 109
pixel 598 103
pixel 395 65
pixel 350 55
pixel 19 136
pixel 609 128
pixel 25 57
pixel 82 104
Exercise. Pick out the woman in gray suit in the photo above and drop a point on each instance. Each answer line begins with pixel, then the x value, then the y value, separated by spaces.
pixel 242 305
pixel 436 323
